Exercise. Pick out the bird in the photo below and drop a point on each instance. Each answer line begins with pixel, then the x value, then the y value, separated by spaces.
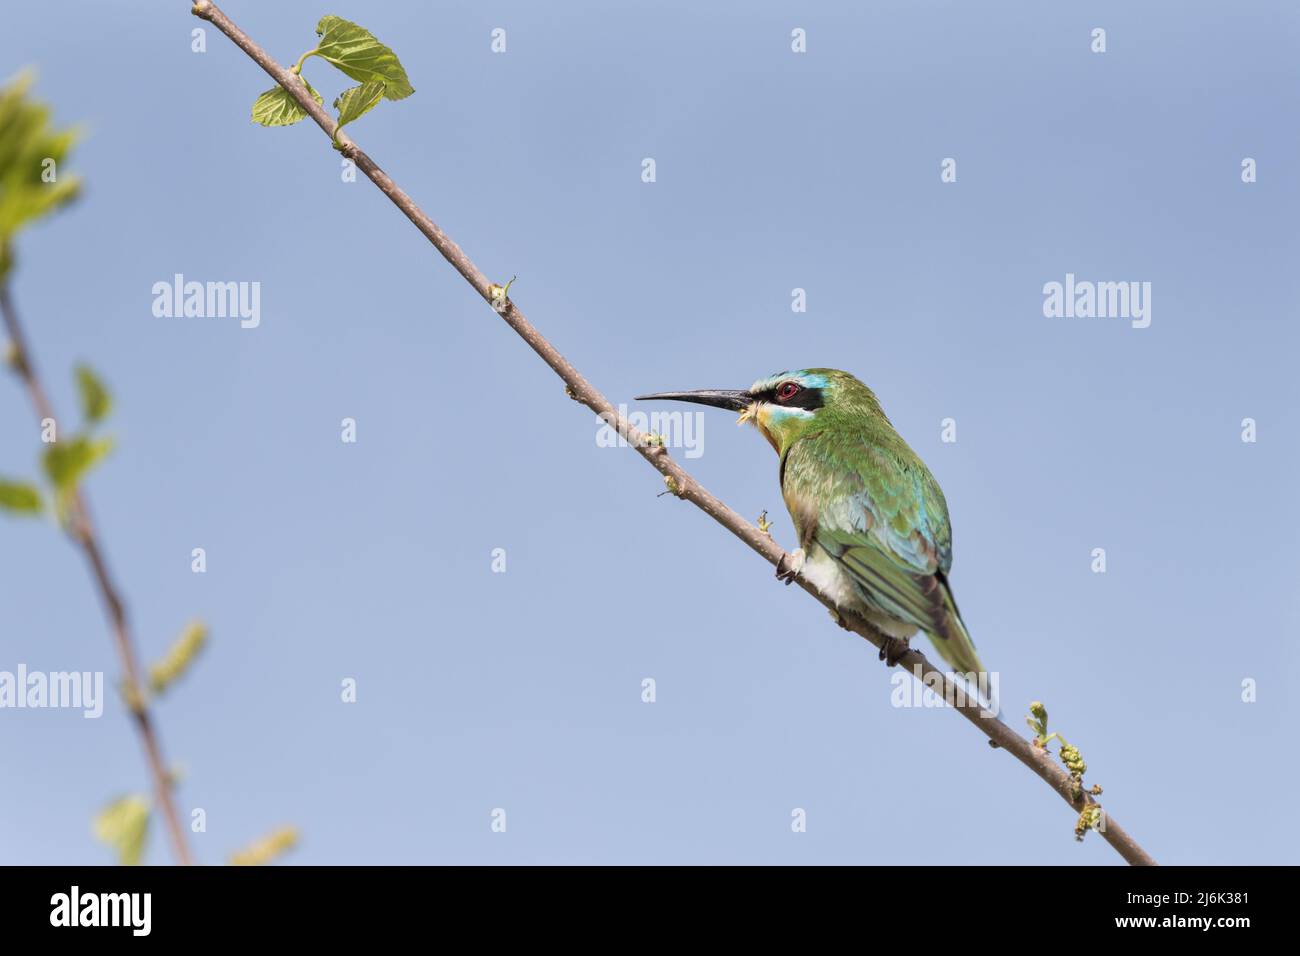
pixel 872 522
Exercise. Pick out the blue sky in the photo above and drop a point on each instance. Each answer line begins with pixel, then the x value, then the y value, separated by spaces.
pixel 775 171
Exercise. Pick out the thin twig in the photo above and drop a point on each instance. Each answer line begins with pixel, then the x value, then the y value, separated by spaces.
pixel 578 388
pixel 81 530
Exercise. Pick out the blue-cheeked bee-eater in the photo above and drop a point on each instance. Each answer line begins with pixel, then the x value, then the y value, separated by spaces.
pixel 872 522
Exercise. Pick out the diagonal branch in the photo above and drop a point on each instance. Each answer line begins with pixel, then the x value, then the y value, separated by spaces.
pixel 82 531
pixel 578 388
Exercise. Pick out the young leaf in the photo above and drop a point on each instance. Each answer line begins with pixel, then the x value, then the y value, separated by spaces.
pixel 66 461
pixel 276 107
pixel 358 101
pixel 356 52
pixel 95 400
pixel 20 497
pixel 124 825
pixel 30 147
pixel 179 657
pixel 265 850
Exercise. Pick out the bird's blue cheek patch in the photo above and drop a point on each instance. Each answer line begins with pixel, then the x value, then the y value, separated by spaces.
pixel 778 414
pixel 774 420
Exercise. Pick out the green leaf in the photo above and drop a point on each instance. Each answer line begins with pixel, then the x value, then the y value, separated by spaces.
pixel 179 657
pixel 67 461
pixel 267 849
pixel 358 101
pixel 124 825
pixel 96 403
pixel 356 52
pixel 20 497
pixel 276 107
pixel 33 182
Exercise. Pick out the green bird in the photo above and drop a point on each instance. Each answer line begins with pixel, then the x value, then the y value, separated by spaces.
pixel 872 522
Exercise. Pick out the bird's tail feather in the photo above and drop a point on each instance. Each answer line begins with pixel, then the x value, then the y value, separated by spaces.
pixel 953 641
pixel 954 644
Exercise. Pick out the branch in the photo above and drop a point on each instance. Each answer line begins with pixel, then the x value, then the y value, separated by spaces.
pixel 82 531
pixel 683 485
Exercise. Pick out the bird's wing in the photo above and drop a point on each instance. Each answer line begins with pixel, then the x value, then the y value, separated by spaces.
pixel 881 515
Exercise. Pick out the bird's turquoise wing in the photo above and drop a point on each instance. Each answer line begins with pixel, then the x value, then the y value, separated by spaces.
pixel 877 510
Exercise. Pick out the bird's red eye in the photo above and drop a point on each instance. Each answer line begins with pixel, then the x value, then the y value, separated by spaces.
pixel 787 391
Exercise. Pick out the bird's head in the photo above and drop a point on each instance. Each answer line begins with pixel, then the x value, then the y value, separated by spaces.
pixel 788 405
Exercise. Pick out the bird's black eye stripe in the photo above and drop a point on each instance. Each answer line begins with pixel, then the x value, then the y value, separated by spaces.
pixel 810 399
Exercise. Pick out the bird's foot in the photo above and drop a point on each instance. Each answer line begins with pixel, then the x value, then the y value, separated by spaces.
pixel 893 649
pixel 787 572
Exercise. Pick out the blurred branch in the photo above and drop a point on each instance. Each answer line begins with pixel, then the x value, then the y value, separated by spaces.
pixel 82 531
pixel 678 480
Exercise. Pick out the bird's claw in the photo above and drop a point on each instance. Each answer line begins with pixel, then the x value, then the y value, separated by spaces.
pixel 893 650
pixel 788 573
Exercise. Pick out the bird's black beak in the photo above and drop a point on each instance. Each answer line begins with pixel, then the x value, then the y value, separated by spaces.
pixel 735 399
